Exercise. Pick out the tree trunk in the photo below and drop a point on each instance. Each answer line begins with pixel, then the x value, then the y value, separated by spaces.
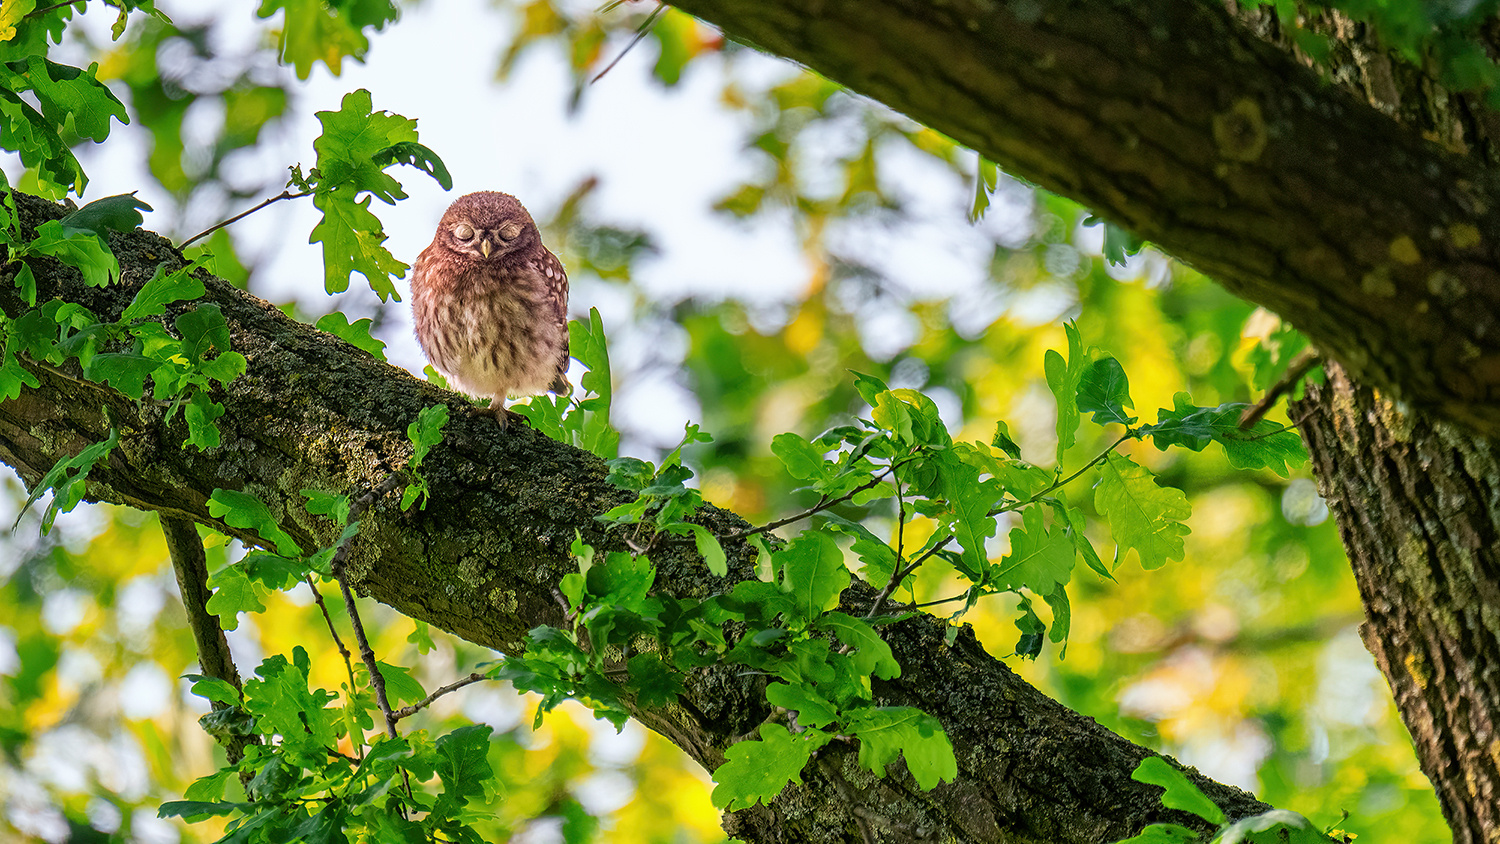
pixel 482 561
pixel 1418 507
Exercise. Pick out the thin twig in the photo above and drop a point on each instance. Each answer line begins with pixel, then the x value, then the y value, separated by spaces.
pixel 639 34
pixel 366 653
pixel 427 701
pixel 824 503
pixel 1062 482
pixel 54 7
pixel 286 194
pixel 1295 372
pixel 900 575
pixel 332 631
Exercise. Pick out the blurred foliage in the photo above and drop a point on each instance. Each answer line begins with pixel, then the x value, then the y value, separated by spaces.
pixel 1243 658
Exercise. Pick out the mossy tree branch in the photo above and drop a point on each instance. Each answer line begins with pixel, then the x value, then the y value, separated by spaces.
pixel 484 557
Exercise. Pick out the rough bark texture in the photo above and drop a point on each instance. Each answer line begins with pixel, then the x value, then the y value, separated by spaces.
pixel 1176 121
pixel 484 557
pixel 1418 506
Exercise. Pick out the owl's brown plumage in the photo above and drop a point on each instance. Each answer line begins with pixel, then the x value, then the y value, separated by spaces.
pixel 491 302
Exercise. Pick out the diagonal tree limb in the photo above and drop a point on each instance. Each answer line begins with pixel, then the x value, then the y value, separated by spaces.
pixel 1176 121
pixel 190 564
pixel 482 559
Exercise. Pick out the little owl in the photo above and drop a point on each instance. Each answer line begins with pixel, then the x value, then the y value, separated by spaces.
pixel 491 302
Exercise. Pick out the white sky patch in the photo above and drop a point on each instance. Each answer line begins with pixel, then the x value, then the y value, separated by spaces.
pixel 145 691
pixel 65 609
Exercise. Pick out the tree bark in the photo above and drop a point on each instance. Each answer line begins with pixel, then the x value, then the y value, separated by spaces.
pixel 1418 507
pixel 1178 122
pixel 483 558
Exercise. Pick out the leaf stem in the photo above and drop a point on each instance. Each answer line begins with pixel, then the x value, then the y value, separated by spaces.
pixel 1062 482
pixel 366 653
pixel 640 33
pixel 54 7
pixel 286 194
pixel 427 701
pixel 824 503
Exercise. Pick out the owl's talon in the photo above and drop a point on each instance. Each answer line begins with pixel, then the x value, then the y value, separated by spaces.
pixel 499 412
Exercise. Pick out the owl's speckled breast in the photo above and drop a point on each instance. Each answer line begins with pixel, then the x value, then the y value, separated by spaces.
pixel 490 343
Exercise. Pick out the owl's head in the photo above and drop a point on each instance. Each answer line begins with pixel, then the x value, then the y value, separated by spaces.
pixel 487 226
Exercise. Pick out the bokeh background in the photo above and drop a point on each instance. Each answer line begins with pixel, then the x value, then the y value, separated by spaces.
pixel 750 234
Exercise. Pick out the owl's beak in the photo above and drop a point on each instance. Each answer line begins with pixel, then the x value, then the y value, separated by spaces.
pixel 484 247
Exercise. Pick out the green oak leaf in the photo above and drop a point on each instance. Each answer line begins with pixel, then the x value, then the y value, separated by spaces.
pixel 888 731
pixel 463 763
pixel 234 593
pixel 1063 376
pixel 871 654
pixel 1266 445
pixel 1104 391
pixel 352 240
pixel 802 459
pixel 1180 792
pixel 163 289
pixel 399 684
pixel 213 689
pixel 245 511
pixel 812 710
pixel 356 333
pixel 813 572
pixel 1142 515
pixel 757 771
pixel 1039 559
pixel 120 213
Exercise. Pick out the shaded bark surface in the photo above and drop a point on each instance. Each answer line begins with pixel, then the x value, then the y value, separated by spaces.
pixel 1418 507
pixel 483 558
pixel 1182 124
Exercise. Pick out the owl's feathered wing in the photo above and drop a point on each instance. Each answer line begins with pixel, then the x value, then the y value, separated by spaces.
pixel 557 295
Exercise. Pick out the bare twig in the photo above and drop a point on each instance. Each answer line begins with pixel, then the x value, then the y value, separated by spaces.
pixel 54 7
pixel 286 194
pixel 824 503
pixel 366 653
pixel 427 701
pixel 332 631
pixel 640 33
pixel 1295 372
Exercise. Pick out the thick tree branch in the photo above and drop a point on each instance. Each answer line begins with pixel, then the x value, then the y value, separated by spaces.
pixel 482 560
pixel 1172 119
